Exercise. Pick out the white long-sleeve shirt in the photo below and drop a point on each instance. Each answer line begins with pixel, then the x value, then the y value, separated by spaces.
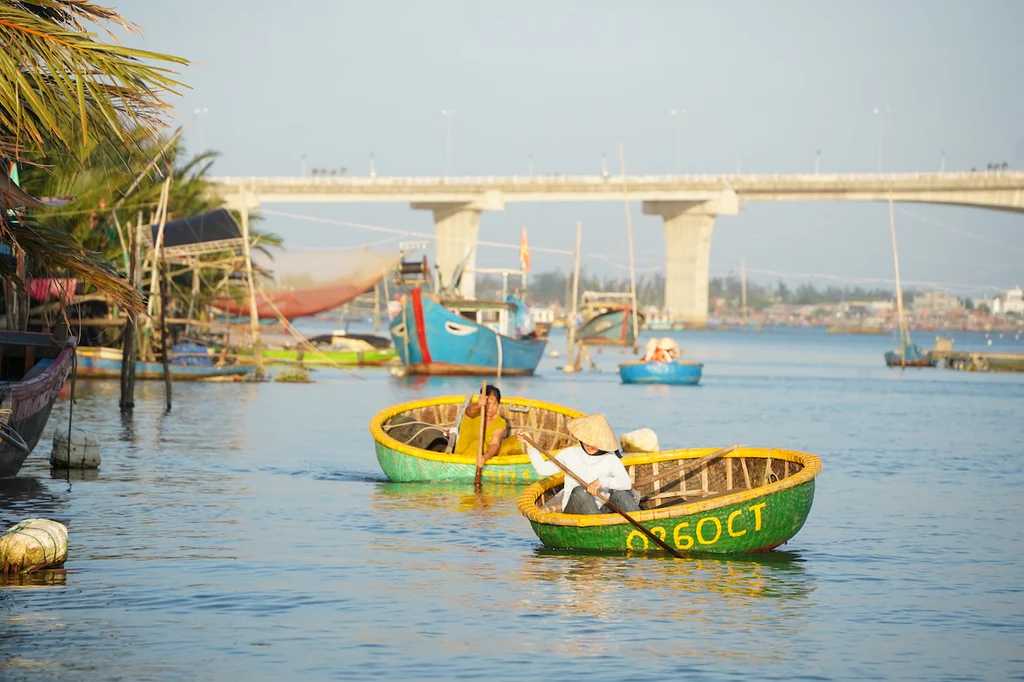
pixel 607 469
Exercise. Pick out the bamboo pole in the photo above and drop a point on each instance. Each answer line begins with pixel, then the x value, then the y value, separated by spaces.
pixel 629 240
pixel 158 282
pixel 573 301
pixel 478 477
pixel 904 334
pixel 254 319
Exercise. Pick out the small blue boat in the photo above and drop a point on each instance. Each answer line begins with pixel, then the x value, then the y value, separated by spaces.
pixel 186 365
pixel 677 372
pixel 465 337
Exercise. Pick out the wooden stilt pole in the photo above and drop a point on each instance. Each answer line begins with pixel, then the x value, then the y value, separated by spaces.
pixel 163 330
pixel 158 282
pixel 254 318
pixel 128 336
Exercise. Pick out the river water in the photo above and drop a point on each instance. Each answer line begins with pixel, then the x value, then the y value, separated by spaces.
pixel 251 533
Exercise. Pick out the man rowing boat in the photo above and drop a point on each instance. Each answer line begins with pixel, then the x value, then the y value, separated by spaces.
pixel 594 460
pixel 496 440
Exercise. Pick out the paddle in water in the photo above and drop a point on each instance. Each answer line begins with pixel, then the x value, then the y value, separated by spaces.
pixel 478 478
pixel 607 501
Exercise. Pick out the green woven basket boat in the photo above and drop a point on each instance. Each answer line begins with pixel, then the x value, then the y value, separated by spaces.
pixel 750 500
pixel 398 429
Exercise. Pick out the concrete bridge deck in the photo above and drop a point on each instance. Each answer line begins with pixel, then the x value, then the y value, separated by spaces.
pixel 688 205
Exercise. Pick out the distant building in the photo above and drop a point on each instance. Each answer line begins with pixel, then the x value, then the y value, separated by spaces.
pixel 1012 302
pixel 936 303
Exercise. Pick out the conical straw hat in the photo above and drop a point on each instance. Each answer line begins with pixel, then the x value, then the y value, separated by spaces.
pixel 595 431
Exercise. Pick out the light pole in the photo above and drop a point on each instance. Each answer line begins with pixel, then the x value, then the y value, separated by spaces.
pixel 676 115
pixel 196 113
pixel 448 114
pixel 817 161
pixel 942 161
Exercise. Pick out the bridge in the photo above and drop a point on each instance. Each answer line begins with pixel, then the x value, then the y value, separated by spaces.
pixel 687 204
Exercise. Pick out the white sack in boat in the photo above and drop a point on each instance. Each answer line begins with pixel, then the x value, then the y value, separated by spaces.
pixel 33 544
pixel 641 440
pixel 84 452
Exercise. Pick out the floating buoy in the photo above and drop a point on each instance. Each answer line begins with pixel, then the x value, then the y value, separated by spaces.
pixel 84 451
pixel 33 544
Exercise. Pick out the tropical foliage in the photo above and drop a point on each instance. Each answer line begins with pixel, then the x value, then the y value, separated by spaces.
pixel 64 97
pixel 61 88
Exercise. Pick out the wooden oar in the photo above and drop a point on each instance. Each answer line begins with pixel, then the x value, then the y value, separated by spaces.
pixel 607 502
pixel 695 467
pixel 478 478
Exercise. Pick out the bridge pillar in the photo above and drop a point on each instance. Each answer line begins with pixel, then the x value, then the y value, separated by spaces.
pixel 457 226
pixel 688 228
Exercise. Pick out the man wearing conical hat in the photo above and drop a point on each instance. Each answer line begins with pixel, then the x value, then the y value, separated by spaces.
pixel 594 460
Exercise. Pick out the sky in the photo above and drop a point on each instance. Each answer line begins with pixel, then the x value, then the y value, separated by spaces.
pixel 557 87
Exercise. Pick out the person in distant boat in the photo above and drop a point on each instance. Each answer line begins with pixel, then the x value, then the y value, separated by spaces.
pixel 596 460
pixel 661 350
pixel 468 441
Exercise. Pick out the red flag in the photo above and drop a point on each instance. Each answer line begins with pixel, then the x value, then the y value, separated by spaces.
pixel 524 250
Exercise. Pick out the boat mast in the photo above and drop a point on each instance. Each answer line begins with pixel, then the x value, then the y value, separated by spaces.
pixel 629 239
pixel 571 323
pixel 904 334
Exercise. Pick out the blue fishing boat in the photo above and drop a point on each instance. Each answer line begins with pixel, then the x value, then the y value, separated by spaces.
pixel 909 355
pixel 185 365
pixel 435 336
pixel 678 372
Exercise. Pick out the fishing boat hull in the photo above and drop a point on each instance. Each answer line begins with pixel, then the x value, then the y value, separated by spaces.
pixel 768 512
pixel 675 373
pixel 893 359
pixel 430 339
pixel 612 328
pixel 403 461
pixel 105 363
pixel 330 358
pixel 31 401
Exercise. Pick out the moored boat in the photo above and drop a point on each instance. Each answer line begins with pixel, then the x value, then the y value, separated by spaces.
pixel 609 328
pixel 676 372
pixel 910 356
pixel 26 400
pixel 105 363
pixel 430 337
pixel 402 433
pixel 749 500
pixel 328 357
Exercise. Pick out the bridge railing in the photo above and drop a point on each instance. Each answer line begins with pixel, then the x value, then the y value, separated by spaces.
pixel 722 181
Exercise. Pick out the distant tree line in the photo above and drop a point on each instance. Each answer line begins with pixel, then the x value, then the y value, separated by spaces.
pixel 553 287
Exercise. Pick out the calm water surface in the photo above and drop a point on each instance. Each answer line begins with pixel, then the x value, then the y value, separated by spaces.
pixel 250 533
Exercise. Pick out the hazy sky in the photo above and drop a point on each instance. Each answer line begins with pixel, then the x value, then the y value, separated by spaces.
pixel 556 85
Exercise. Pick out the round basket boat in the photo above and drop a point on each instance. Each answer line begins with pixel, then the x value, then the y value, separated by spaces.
pixel 750 500
pixel 401 434
pixel 678 372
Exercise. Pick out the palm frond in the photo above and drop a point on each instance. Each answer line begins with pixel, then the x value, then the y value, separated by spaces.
pixel 61 87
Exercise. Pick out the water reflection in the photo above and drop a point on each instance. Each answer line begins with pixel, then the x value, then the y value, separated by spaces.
pixel 596 584
pixel 456 497
pixel 51 577
pixel 74 474
pixel 25 496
